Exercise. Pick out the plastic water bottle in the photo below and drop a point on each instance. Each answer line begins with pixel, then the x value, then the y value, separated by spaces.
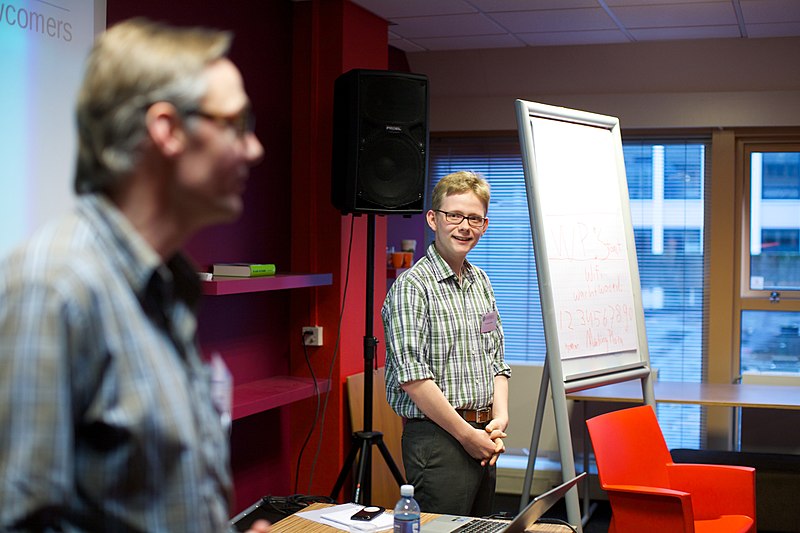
pixel 406 512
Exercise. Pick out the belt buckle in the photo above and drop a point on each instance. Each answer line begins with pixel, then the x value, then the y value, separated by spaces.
pixel 483 414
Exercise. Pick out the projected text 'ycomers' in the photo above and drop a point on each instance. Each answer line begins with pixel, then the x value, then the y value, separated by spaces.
pixel 24 19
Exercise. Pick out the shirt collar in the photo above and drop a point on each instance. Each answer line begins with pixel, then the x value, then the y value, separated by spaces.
pixel 443 271
pixel 133 256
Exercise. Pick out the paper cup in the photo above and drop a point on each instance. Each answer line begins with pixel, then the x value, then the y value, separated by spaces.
pixel 408 245
pixel 397 259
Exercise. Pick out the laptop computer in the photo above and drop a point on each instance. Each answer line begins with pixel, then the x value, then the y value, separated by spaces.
pixel 532 512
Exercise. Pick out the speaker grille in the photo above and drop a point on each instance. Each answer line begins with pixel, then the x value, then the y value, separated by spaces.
pixel 393 100
pixel 389 173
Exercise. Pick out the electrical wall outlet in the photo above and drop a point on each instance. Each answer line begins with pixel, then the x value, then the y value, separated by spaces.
pixel 312 335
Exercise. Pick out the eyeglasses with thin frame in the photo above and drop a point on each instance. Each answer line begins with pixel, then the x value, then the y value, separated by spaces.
pixel 476 221
pixel 242 123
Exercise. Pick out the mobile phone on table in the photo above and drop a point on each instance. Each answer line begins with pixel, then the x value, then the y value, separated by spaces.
pixel 368 513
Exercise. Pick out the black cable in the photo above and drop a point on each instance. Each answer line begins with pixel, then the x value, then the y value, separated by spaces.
pixel 316 413
pixel 556 521
pixel 501 515
pixel 279 505
pixel 303 500
pixel 335 354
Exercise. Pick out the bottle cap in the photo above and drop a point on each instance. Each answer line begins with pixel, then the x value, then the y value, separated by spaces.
pixel 407 491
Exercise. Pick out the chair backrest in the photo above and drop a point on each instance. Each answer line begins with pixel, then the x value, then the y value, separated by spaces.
pixel 629 448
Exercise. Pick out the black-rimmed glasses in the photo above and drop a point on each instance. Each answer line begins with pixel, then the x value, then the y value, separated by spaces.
pixel 242 123
pixel 476 221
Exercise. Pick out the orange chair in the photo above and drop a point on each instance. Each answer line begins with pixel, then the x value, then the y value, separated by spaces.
pixel 649 493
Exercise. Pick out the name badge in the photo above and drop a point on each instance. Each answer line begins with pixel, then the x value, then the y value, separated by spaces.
pixel 489 322
pixel 221 389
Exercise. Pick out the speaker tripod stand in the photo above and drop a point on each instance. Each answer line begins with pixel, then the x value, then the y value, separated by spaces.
pixel 363 441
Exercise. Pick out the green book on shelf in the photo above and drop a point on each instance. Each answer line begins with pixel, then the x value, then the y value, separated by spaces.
pixel 243 270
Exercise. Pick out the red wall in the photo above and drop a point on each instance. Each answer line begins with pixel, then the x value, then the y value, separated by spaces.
pixel 330 38
pixel 289 53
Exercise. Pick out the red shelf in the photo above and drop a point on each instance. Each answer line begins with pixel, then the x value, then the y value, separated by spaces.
pixel 220 285
pixel 265 394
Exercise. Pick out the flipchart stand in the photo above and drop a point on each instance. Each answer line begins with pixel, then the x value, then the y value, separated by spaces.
pixel 586 267
pixel 564 436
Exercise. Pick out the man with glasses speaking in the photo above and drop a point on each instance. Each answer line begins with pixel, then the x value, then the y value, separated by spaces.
pixel 108 420
pixel 445 372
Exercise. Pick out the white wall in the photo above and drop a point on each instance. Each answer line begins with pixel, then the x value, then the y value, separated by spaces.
pixel 523 398
pixel 680 84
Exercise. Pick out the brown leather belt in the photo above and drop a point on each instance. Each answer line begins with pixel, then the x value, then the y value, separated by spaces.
pixel 476 415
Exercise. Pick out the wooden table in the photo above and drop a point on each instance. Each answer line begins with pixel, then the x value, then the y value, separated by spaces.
pixel 736 395
pixel 720 394
pixel 297 524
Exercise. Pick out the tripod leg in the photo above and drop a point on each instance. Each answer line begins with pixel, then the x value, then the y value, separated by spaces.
pixel 364 470
pixel 390 462
pixel 348 464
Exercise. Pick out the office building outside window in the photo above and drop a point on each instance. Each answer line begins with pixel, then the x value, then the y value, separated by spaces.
pixel 770 338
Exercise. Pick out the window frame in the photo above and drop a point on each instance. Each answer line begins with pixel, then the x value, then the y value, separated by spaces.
pixel 746 147
pixel 745 298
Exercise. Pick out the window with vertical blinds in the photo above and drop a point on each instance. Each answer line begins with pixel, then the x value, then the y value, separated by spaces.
pixel 666 186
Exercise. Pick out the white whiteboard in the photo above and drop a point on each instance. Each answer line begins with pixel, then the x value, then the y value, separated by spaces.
pixel 583 241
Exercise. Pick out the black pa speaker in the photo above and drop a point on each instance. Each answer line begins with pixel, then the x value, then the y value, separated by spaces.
pixel 380 142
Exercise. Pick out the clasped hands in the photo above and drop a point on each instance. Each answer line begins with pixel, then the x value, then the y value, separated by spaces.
pixel 486 445
pixel 496 435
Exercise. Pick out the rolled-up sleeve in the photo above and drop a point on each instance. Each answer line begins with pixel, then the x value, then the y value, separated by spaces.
pixel 405 319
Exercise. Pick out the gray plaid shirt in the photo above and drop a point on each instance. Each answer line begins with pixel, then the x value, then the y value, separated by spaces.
pixel 106 417
pixel 433 331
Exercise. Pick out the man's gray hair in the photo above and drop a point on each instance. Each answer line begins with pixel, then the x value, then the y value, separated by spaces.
pixel 133 65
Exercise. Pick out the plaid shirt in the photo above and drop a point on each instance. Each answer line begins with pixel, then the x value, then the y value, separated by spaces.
pixel 106 418
pixel 433 331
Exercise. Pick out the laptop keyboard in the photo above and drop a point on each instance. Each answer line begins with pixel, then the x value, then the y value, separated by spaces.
pixel 481 526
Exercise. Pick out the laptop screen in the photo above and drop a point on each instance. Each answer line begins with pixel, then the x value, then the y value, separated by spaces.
pixel 532 512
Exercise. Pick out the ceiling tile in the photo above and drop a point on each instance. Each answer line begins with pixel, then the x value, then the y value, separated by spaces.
pixel 453 25
pixel 551 20
pixel 405 45
pixel 618 3
pixel 389 9
pixel 671 16
pixel 770 11
pixel 573 38
pixel 493 6
pixel 470 42
pixel 695 32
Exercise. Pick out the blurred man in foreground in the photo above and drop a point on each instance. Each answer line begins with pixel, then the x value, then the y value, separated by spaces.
pixel 107 419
